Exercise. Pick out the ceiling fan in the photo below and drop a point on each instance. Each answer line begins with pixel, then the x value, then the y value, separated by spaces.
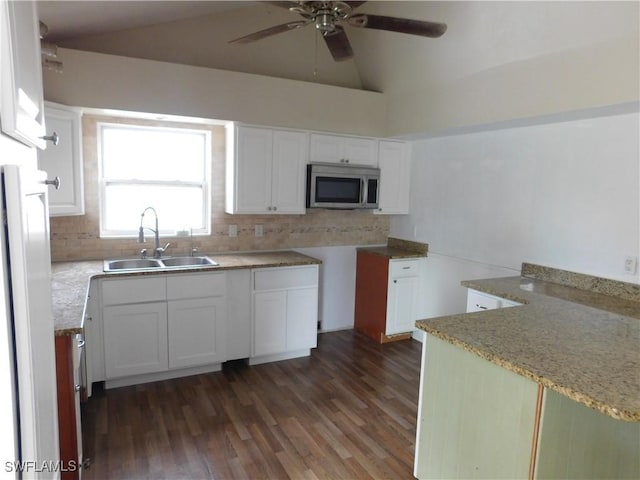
pixel 327 17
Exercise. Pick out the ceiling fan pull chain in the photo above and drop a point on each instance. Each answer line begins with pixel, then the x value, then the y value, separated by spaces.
pixel 315 54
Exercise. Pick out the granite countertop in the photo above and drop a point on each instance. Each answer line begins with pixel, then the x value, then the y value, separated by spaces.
pixel 580 343
pixel 397 248
pixel 70 280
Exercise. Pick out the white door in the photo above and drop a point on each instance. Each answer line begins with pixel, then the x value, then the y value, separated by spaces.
pixel 325 149
pixel 269 322
pixel 196 331
pixel 360 151
pixel 394 163
pixel 288 173
pixel 64 160
pixel 29 257
pixel 402 305
pixel 302 318
pixel 253 168
pixel 135 339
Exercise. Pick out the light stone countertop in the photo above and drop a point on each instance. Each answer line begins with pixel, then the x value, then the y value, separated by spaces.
pixel 70 280
pixel 582 344
pixel 397 248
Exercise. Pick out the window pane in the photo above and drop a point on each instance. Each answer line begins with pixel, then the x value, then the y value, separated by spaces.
pixel 177 207
pixel 153 154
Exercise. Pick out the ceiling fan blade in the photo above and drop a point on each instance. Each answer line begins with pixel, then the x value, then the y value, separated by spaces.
pixel 338 44
pixel 267 32
pixel 284 4
pixel 355 5
pixel 401 25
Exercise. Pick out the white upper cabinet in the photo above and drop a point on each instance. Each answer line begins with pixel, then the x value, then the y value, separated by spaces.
pixel 343 149
pixel 64 160
pixel 22 112
pixel 395 177
pixel 265 170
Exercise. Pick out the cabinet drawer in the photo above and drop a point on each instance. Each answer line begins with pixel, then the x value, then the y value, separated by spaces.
pixel 477 301
pixel 196 286
pixel 283 278
pixel 403 268
pixel 134 290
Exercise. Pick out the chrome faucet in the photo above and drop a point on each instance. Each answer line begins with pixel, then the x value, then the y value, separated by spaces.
pixel 157 249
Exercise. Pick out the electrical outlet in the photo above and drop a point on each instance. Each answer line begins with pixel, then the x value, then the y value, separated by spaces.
pixel 259 230
pixel 630 264
pixel 233 230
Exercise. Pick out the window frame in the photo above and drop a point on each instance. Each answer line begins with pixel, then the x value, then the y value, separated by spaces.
pixel 103 183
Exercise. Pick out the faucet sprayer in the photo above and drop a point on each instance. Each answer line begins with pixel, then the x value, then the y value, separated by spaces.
pixel 157 249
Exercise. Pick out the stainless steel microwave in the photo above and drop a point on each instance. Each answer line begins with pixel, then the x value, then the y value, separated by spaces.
pixel 342 186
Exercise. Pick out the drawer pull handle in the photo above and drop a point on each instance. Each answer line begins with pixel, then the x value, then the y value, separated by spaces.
pixel 481 307
pixel 406 268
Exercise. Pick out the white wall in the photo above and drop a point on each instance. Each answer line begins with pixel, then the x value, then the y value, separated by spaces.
pixel 130 84
pixel 337 285
pixel 561 194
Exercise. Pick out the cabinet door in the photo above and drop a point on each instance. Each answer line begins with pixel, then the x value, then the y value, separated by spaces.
pixel 360 151
pixel 253 170
pixel 339 149
pixel 21 73
pixel 402 305
pixel 476 301
pixel 288 173
pixel 395 169
pixel 269 322
pixel 325 149
pixel 196 331
pixel 302 318
pixel 64 160
pixel 135 339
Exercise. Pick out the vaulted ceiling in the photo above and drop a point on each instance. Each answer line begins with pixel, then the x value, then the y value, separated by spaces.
pixel 488 44
pixel 480 35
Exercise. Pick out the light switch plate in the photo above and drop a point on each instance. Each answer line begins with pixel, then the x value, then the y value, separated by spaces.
pixel 233 230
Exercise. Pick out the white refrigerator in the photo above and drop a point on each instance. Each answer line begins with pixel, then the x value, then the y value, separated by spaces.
pixel 29 446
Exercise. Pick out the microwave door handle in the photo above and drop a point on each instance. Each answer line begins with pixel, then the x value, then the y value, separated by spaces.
pixel 363 191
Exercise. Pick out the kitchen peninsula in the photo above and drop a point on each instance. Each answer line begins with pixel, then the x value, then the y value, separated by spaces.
pixel 547 389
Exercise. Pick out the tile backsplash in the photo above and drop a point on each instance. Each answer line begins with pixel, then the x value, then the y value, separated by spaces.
pixel 78 237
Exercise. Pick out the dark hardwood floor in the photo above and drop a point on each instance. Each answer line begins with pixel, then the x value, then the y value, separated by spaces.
pixel 346 412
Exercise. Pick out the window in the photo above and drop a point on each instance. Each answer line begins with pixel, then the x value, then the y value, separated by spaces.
pixel 164 168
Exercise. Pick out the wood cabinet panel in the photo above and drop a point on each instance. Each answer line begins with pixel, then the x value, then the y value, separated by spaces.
pixel 372 273
pixel 68 390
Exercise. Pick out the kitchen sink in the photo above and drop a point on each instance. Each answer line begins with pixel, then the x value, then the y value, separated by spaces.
pixel 131 264
pixel 157 264
pixel 187 261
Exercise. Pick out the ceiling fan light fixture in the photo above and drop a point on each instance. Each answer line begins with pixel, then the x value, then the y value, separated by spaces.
pixel 324 23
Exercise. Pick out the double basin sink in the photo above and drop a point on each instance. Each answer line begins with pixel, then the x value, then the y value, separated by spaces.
pixel 157 263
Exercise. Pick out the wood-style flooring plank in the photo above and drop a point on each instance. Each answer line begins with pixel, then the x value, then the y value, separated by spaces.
pixel 346 412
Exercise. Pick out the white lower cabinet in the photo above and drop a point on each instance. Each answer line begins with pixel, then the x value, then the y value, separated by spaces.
pixel 478 301
pixel 154 327
pixel 285 312
pixel 402 296
pixel 269 322
pixel 162 326
pixel 135 339
pixel 196 331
